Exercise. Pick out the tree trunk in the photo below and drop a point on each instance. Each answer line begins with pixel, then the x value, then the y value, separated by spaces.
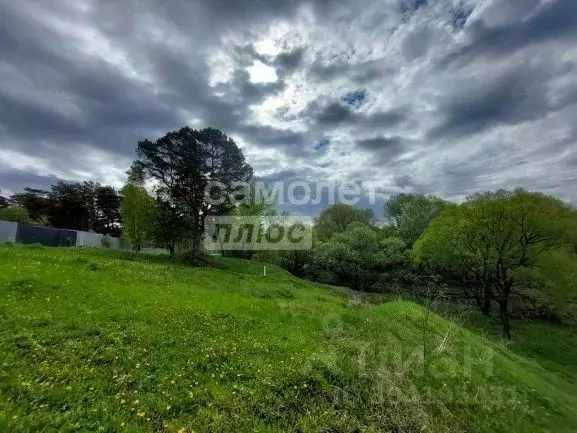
pixel 504 313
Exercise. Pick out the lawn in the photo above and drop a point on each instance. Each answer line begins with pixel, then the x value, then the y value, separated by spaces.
pixel 97 340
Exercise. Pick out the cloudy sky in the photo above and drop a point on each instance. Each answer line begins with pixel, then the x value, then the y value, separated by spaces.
pixel 434 96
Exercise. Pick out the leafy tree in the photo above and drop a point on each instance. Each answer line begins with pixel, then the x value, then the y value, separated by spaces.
pixel 170 225
pixel 350 257
pixel 108 210
pixel 16 214
pixel 395 207
pixel 257 208
pixel 76 206
pixel 491 238
pixel 336 218
pixel 36 201
pixel 138 211
pixel 394 260
pixel 387 231
pixel 185 162
pixel 70 206
pixel 411 214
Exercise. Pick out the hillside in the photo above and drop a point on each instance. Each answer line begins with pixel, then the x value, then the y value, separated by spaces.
pixel 96 340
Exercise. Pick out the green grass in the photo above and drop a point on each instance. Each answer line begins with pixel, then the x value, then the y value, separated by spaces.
pixel 95 340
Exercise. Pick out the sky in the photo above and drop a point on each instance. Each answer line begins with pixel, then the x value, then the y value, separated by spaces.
pixel 445 97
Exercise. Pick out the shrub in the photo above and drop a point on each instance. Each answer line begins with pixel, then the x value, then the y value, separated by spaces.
pixel 15 214
pixel 351 257
pixel 195 258
pixel 105 241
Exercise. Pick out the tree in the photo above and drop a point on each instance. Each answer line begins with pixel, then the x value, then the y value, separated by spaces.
pixel 107 202
pixel 350 257
pixel 36 201
pixel 186 163
pixel 395 207
pixel 16 214
pixel 75 206
pixel 491 238
pixel 170 225
pixel 138 211
pixel 70 206
pixel 257 208
pixel 394 260
pixel 336 218
pixel 411 214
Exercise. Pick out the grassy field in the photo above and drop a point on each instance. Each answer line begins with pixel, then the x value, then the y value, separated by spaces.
pixel 95 340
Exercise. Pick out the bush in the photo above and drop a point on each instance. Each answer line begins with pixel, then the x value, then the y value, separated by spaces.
pixel 394 264
pixel 105 241
pixel 15 214
pixel 350 258
pixel 195 258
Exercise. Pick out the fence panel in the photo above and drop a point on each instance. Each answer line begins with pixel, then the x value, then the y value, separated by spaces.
pixel 67 238
pixel 8 231
pixel 37 235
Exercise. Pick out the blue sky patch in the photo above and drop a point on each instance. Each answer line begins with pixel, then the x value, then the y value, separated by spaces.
pixel 355 98
pixel 321 144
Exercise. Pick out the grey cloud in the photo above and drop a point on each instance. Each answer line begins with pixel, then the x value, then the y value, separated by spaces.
pixel 286 141
pixel 417 43
pixel 114 111
pixel 379 143
pixel 14 180
pixel 384 149
pixel 515 97
pixel 551 20
pixel 360 73
pixel 58 95
pixel 404 181
pixel 290 60
pixel 334 113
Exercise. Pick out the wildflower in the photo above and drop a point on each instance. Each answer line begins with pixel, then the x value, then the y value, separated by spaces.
pixel 140 414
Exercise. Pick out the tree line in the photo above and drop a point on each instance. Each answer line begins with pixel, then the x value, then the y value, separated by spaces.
pixel 490 249
pixel 163 203
pixel 87 206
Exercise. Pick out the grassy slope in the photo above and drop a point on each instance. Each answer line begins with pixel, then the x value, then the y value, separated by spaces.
pixel 104 341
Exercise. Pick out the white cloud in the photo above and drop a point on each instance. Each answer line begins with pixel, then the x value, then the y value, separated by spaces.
pixel 261 73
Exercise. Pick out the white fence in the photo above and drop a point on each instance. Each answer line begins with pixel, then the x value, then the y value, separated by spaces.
pixel 8 231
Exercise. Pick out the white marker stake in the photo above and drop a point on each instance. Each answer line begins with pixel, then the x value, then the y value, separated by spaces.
pixel 264 271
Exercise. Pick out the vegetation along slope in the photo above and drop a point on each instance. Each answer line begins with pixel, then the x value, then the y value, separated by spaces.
pixel 100 340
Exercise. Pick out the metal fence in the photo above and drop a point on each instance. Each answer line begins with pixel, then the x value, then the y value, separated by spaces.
pixel 25 234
